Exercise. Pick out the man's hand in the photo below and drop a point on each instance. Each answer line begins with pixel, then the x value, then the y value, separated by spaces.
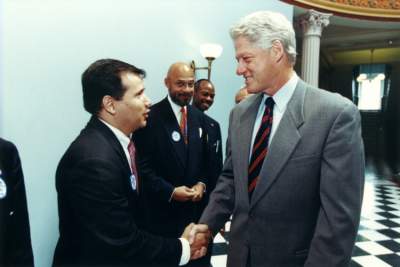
pixel 199 191
pixel 198 248
pixel 183 193
pixel 201 230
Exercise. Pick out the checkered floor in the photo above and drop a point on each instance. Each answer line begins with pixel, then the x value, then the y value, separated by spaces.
pixel 378 240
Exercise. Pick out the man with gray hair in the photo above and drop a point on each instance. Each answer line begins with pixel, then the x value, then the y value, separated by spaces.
pixel 294 171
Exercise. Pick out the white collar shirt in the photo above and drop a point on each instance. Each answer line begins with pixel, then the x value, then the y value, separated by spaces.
pixel 122 138
pixel 176 109
pixel 281 99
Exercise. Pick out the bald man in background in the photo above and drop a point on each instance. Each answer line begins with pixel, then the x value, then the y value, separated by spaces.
pixel 241 94
pixel 172 157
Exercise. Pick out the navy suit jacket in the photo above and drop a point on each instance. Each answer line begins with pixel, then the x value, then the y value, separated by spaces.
pixel 166 162
pixel 15 239
pixel 214 151
pixel 98 209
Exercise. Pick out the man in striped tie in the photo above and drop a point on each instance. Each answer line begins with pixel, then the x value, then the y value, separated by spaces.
pixel 294 171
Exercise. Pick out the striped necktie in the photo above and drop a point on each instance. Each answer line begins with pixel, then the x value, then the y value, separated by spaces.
pixel 260 146
pixel 183 124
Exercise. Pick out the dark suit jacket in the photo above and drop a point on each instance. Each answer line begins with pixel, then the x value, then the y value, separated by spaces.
pixel 165 163
pixel 15 239
pixel 214 153
pixel 305 209
pixel 98 209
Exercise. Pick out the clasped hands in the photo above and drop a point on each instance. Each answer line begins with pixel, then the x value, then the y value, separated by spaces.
pixel 184 193
pixel 199 236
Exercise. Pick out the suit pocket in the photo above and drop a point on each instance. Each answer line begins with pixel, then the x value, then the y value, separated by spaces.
pixel 301 253
pixel 304 159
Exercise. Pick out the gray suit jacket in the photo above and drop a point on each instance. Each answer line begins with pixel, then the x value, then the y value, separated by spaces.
pixel 305 210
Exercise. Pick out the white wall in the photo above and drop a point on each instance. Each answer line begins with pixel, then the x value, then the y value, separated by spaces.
pixel 46 45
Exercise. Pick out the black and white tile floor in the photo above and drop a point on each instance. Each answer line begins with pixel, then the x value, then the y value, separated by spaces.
pixel 378 240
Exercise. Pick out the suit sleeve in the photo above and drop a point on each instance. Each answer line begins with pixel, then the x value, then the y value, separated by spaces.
pixel 220 206
pixel 155 185
pixel 214 156
pixel 103 210
pixel 219 162
pixel 341 192
pixel 19 239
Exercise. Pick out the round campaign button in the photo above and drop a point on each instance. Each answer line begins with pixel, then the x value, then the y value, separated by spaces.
pixel 3 188
pixel 176 136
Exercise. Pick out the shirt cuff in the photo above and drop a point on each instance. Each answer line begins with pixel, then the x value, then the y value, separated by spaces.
pixel 185 257
pixel 205 187
pixel 170 198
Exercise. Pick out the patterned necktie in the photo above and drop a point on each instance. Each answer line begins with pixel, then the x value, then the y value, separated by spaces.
pixel 183 125
pixel 132 155
pixel 260 146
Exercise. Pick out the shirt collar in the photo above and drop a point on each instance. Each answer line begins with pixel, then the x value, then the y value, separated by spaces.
pixel 283 95
pixel 175 108
pixel 122 138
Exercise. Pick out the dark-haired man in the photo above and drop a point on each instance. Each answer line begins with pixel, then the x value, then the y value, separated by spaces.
pixel 15 238
pixel 203 99
pixel 98 184
pixel 204 93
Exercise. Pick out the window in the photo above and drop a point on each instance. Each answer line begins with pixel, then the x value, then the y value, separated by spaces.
pixel 370 91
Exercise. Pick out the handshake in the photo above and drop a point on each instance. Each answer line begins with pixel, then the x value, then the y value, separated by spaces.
pixel 199 236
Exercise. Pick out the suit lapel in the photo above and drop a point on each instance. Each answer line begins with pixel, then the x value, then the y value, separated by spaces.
pixel 110 137
pixel 195 133
pixel 283 143
pixel 246 126
pixel 172 129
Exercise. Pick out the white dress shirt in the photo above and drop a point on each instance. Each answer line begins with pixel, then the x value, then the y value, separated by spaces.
pixel 281 99
pixel 122 138
pixel 124 141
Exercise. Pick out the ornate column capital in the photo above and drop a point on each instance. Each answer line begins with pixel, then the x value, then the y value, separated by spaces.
pixel 313 22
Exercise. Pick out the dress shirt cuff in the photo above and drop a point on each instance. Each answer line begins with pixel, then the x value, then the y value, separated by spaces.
pixel 172 194
pixel 185 257
pixel 205 187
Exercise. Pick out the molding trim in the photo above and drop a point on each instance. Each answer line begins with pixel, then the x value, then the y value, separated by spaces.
pixel 366 9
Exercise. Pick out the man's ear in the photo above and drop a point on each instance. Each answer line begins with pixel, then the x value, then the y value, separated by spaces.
pixel 166 82
pixel 108 104
pixel 277 50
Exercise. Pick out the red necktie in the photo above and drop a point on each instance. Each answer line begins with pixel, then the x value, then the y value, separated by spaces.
pixel 132 154
pixel 260 146
pixel 183 123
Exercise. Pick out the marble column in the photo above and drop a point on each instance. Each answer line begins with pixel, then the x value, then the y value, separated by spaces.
pixel 312 24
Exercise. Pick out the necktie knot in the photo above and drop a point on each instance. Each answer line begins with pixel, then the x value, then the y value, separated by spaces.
pixel 131 149
pixel 269 102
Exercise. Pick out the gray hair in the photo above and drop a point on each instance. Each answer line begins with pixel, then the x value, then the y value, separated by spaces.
pixel 264 27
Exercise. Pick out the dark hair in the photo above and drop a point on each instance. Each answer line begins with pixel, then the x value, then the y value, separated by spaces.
pixel 103 77
pixel 198 82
